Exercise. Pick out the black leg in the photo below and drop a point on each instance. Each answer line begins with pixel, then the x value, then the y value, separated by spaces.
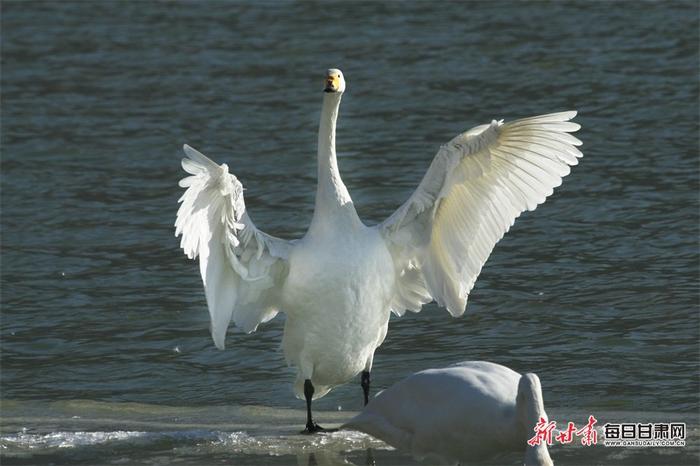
pixel 311 426
pixel 369 459
pixel 312 460
pixel 364 381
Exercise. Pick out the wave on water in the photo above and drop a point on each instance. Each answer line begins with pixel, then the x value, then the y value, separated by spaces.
pixel 140 446
pixel 234 441
pixel 66 439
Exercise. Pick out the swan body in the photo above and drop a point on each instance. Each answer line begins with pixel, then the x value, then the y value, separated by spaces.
pixel 464 412
pixel 340 282
pixel 338 309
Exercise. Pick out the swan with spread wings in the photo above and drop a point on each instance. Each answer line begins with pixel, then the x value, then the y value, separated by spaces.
pixel 339 283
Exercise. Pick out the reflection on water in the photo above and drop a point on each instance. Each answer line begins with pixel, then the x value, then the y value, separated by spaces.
pixel 596 291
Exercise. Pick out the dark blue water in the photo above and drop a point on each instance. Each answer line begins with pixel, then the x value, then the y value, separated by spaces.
pixel 596 291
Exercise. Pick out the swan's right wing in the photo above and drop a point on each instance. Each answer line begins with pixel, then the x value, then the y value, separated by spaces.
pixel 242 268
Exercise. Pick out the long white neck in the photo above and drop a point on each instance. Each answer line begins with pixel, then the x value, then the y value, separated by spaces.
pixel 530 408
pixel 332 197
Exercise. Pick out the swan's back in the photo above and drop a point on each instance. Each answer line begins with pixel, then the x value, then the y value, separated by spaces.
pixel 466 411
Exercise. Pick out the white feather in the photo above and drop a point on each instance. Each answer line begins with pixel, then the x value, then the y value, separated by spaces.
pixel 215 227
pixel 478 184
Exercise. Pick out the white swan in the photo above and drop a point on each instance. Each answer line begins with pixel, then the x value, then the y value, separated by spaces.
pixel 464 412
pixel 339 283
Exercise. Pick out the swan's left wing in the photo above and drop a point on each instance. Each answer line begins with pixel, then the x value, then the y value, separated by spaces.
pixel 243 269
pixel 475 188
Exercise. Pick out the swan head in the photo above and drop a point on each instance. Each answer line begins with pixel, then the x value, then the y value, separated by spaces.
pixel 334 82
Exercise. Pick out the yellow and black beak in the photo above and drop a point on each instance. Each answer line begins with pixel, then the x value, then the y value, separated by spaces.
pixel 332 83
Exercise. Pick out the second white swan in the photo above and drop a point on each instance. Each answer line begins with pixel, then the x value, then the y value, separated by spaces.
pixel 463 413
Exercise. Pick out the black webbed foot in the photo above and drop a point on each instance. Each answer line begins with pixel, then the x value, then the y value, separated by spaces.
pixel 313 428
